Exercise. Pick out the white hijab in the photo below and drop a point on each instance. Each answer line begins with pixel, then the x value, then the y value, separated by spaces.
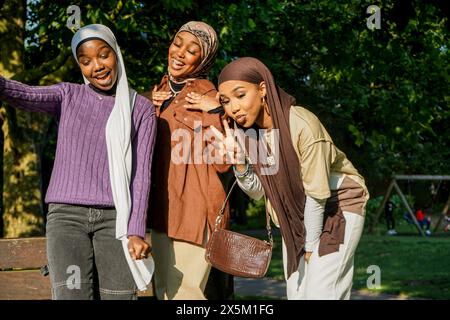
pixel 118 143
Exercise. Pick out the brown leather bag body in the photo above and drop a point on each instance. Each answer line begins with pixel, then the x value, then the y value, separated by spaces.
pixel 239 254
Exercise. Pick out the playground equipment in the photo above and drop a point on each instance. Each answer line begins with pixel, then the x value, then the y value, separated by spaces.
pixel 394 185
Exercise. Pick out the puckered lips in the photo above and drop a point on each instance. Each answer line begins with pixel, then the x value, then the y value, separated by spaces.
pixel 241 119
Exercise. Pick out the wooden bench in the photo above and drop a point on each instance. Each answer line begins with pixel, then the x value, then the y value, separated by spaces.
pixel 21 261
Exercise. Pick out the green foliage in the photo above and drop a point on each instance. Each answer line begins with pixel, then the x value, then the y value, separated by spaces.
pixel 256 208
pixel 382 94
pixel 371 208
pixel 256 214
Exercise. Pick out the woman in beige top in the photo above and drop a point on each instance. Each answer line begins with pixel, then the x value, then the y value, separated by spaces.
pixel 314 193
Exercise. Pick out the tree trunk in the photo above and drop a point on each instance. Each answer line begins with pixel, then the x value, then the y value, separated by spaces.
pixel 22 214
pixel 1 174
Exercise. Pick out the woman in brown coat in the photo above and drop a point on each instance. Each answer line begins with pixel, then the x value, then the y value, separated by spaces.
pixel 187 192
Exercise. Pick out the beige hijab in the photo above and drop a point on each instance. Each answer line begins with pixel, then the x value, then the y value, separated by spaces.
pixel 208 43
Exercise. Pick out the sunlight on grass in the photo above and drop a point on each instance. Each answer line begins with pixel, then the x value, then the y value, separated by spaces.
pixel 410 266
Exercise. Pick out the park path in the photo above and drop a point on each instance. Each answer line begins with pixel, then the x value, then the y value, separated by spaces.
pixel 276 289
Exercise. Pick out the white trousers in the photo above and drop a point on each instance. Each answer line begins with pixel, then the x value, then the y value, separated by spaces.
pixel 329 277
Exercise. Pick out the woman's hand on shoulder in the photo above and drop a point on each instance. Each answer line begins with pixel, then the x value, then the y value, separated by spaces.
pixel 158 97
pixel 200 102
pixel 138 248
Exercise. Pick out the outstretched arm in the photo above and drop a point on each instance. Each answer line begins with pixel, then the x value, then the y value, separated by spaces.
pixel 46 99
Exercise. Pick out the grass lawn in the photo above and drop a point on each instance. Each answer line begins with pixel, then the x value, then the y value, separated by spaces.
pixel 410 265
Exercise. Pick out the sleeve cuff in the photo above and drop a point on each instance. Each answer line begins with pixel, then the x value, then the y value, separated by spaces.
pixel 218 109
pixel 138 234
pixel 310 246
pixel 134 230
pixel 242 174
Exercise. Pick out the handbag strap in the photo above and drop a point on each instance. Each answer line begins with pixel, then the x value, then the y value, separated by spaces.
pixel 222 209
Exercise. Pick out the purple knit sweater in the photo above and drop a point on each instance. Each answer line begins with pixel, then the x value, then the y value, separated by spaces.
pixel 80 173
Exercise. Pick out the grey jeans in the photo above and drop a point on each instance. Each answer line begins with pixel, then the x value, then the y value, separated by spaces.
pixel 85 259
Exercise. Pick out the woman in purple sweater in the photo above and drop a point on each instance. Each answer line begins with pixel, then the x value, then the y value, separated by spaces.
pixel 100 184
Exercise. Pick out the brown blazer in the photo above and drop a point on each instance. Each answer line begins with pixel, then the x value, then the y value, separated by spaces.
pixel 185 198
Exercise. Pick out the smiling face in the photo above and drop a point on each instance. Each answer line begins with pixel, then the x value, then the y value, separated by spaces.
pixel 98 63
pixel 184 55
pixel 243 101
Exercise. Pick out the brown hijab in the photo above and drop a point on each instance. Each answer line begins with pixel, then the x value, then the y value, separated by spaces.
pixel 284 188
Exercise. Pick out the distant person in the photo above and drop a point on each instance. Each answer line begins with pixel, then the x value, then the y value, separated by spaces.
pixel 423 220
pixel 447 224
pixel 389 215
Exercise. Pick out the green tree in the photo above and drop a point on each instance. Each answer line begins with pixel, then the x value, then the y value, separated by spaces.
pixel 382 94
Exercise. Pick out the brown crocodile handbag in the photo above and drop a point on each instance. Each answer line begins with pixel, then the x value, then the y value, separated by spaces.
pixel 238 254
